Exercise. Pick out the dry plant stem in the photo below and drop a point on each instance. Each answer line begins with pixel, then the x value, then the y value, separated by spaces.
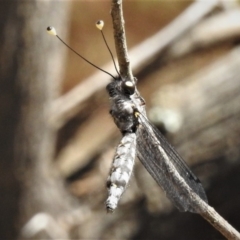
pixel 220 224
pixel 199 84
pixel 67 106
pixel 206 211
pixel 120 39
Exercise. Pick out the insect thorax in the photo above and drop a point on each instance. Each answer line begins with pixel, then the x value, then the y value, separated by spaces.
pixel 122 107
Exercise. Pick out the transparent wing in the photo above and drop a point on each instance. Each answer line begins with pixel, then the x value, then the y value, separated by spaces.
pixel 161 159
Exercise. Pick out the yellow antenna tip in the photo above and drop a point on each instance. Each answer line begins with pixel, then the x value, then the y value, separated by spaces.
pixel 52 31
pixel 100 24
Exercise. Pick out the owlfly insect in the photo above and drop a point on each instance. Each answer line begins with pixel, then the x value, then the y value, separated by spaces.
pixel 143 140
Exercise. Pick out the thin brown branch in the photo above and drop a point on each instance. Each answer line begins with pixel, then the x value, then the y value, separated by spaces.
pixel 120 39
pixel 196 88
pixel 204 210
pixel 219 223
pixel 67 106
pixel 207 212
pixel 198 205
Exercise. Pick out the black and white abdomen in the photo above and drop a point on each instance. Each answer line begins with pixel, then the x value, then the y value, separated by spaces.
pixel 121 170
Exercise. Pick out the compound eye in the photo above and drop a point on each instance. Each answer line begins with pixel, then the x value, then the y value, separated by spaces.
pixel 128 87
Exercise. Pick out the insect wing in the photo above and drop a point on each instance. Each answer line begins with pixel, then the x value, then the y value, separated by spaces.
pixel 161 160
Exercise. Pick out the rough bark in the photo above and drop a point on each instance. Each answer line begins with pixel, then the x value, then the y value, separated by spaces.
pixel 29 184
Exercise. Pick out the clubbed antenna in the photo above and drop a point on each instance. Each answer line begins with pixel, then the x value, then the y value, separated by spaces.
pixel 52 31
pixel 100 25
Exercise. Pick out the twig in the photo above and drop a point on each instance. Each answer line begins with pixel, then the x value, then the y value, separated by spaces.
pixel 120 39
pixel 200 206
pixel 67 106
pixel 220 224
pixel 100 124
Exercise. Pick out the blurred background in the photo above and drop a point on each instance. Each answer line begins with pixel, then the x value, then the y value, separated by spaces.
pixel 57 138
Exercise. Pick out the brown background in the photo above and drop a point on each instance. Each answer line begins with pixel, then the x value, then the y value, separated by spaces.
pixel 58 164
